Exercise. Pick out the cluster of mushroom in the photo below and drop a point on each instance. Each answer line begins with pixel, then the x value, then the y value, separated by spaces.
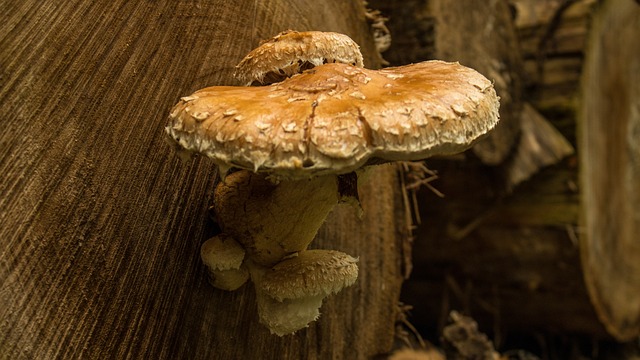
pixel 297 140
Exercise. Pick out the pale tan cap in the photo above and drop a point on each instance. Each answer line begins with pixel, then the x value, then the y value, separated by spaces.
pixel 312 273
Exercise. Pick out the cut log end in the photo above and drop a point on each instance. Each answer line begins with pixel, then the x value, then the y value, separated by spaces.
pixel 610 159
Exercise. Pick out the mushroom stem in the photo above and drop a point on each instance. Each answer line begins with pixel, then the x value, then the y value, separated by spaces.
pixel 287 316
pixel 272 221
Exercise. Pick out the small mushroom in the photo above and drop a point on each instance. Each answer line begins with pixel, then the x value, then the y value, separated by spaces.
pixel 298 142
pixel 290 294
pixel 291 52
pixel 224 259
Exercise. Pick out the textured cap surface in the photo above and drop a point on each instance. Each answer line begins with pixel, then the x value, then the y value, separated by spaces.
pixel 311 273
pixel 335 118
pixel 290 52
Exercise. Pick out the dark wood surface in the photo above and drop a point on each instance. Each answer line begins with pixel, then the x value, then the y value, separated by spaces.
pixel 513 262
pixel 101 222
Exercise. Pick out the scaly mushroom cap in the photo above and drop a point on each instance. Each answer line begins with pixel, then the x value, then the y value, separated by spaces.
pixel 335 118
pixel 291 52
pixel 312 273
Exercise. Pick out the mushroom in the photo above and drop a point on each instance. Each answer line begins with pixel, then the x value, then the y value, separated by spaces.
pixel 298 142
pixel 273 221
pixel 224 258
pixel 335 118
pixel 290 294
pixel 291 52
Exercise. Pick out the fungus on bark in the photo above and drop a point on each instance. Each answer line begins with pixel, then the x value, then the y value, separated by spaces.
pixel 224 259
pixel 290 294
pixel 335 118
pixel 295 142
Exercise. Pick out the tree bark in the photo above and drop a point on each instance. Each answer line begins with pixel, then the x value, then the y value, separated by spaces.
pixel 101 223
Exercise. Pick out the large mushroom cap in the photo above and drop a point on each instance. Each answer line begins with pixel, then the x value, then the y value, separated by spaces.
pixel 290 52
pixel 335 118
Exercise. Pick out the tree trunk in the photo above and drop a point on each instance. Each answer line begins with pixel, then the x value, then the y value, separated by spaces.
pixel 100 221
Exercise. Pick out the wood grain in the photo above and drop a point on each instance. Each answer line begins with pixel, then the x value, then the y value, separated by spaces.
pixel 100 221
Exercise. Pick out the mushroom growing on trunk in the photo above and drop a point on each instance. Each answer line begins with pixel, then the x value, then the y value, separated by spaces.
pixel 297 140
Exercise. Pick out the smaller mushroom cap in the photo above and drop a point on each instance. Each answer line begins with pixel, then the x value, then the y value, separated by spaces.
pixel 291 52
pixel 224 259
pixel 222 252
pixel 312 273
